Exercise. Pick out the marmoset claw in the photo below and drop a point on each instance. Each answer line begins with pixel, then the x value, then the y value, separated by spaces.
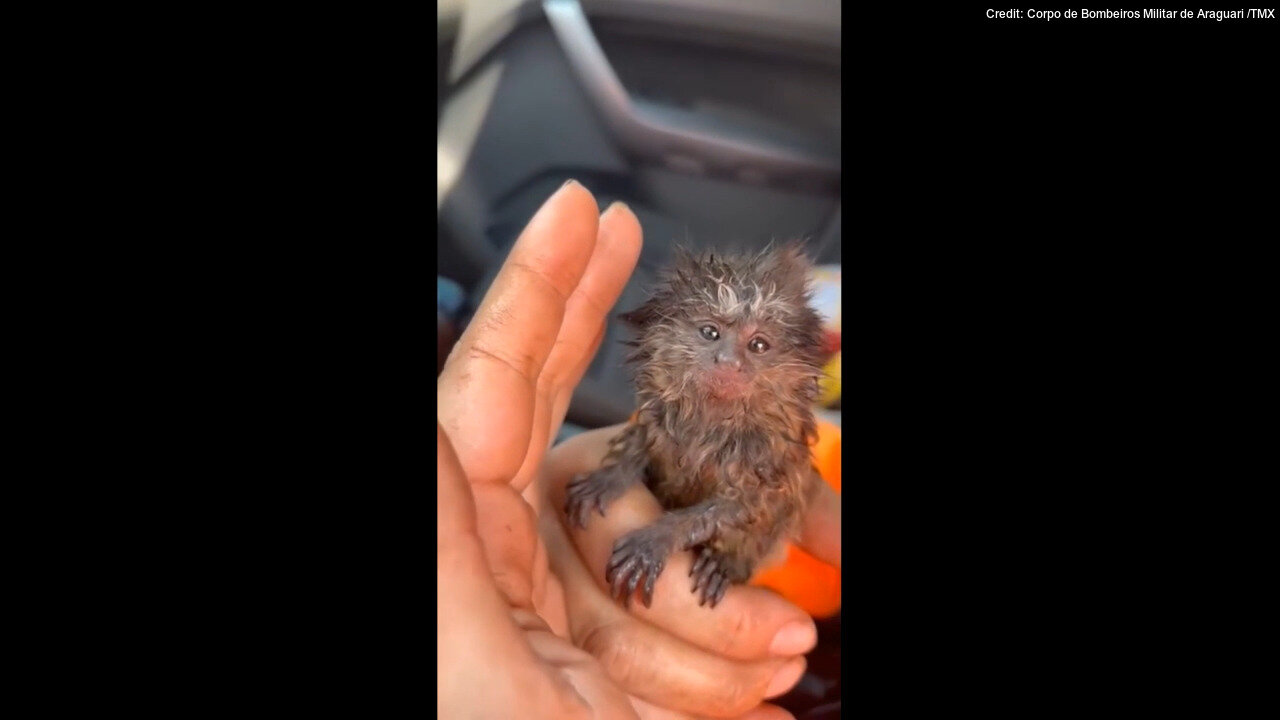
pixel 638 555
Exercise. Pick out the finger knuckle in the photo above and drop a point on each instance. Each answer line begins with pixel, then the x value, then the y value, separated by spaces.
pixel 522 364
pixel 560 282
pixel 738 695
pixel 516 587
pixel 559 699
pixel 615 649
pixel 744 625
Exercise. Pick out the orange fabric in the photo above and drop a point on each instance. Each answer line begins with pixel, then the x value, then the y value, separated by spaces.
pixel 803 579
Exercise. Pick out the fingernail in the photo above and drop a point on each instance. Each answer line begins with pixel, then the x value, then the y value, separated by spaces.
pixel 794 638
pixel 787 677
pixel 568 182
pixel 614 206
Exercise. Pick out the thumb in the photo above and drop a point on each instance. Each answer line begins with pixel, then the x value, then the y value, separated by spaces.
pixel 820 527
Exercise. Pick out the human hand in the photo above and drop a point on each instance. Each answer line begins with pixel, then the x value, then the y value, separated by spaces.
pixel 502 393
pixel 493 653
pixel 503 620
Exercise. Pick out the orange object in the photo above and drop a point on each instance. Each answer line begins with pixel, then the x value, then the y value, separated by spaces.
pixel 803 579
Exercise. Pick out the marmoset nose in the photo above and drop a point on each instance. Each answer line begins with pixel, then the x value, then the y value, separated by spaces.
pixel 729 359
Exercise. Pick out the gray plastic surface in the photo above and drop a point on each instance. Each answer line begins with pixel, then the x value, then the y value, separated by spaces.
pixel 535 120
pixel 649 130
pixel 804 22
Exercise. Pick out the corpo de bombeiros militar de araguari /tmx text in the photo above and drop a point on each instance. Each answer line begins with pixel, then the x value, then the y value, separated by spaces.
pixel 1085 14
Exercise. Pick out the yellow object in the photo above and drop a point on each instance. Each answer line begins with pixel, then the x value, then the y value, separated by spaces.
pixel 808 582
pixel 829 383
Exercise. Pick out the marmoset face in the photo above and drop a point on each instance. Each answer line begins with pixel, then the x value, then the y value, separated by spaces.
pixel 729 355
pixel 730 328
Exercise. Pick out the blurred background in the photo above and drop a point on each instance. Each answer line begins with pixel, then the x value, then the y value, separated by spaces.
pixel 716 121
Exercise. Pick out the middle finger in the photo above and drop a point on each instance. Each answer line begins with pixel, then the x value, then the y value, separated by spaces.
pixel 616 251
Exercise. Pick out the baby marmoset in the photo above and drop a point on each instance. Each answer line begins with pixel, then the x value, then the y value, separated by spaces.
pixel 728 356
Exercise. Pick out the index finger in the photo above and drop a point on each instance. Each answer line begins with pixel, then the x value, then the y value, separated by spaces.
pixel 487 387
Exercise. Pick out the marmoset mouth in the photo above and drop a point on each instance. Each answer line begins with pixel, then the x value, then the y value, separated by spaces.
pixel 728 384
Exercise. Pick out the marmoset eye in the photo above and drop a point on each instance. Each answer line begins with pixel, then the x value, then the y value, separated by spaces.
pixel 710 332
pixel 758 345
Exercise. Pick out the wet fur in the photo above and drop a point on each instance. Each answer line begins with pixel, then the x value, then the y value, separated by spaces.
pixel 733 475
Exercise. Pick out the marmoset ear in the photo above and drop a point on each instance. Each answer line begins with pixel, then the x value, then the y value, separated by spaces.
pixel 642 317
pixel 685 266
pixel 789 266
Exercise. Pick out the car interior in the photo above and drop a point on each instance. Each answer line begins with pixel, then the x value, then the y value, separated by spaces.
pixel 717 121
